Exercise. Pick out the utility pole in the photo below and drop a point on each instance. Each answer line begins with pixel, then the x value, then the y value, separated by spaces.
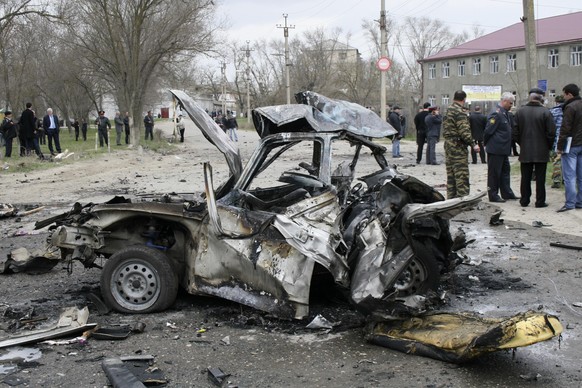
pixel 383 53
pixel 287 63
pixel 223 72
pixel 531 52
pixel 248 74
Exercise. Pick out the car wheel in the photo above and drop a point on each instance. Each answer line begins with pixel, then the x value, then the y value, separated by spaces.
pixel 420 276
pixel 139 279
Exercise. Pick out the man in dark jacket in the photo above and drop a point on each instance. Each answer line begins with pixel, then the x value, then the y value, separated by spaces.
pixel 497 140
pixel 394 120
pixel 420 124
pixel 433 131
pixel 27 125
pixel 8 129
pixel 570 147
pixel 478 121
pixel 534 132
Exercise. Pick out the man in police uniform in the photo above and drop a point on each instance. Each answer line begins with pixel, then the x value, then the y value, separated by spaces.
pixel 497 140
pixel 457 135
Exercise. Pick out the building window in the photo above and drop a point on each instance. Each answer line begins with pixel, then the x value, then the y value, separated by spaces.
pixel 445 100
pixel 461 68
pixel 342 55
pixel 494 64
pixel 576 56
pixel 432 71
pixel 446 70
pixel 511 63
pixel 432 100
pixel 476 66
pixel 553 58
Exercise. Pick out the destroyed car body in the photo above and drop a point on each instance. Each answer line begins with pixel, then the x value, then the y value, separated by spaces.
pixel 272 229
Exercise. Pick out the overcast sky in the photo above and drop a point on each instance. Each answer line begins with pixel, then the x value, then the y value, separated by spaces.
pixel 256 19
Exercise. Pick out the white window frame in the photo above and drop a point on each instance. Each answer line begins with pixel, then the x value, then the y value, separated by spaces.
pixel 553 58
pixel 494 64
pixel 446 100
pixel 461 67
pixel 511 63
pixel 431 70
pixel 576 55
pixel 446 69
pixel 476 66
pixel 431 100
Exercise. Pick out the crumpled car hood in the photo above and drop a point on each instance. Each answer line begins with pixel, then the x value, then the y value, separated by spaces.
pixel 317 113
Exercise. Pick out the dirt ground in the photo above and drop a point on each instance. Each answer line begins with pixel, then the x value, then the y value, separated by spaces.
pixel 518 271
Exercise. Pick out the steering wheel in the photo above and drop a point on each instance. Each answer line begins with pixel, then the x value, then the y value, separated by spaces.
pixel 302 180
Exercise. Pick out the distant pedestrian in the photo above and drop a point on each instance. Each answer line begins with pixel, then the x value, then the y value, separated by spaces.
pixel 76 128
pixel 103 125
pixel 148 122
pixel 497 140
pixel 433 132
pixel 394 120
pixel 84 129
pixel 118 127
pixel 8 130
pixel 570 147
pixel 457 135
pixel 29 128
pixel 558 114
pixel 232 127
pixel 180 127
pixel 478 121
pixel 50 125
pixel 420 124
pixel 126 127
pixel 534 132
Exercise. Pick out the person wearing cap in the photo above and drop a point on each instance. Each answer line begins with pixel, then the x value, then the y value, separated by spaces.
pixel 570 147
pixel 557 113
pixel 420 124
pixel 457 135
pixel 497 140
pixel 103 125
pixel 534 132
pixel 148 122
pixel 8 130
pixel 394 120
pixel 433 123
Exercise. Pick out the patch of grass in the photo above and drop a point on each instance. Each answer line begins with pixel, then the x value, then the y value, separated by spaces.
pixel 81 149
pixel 516 170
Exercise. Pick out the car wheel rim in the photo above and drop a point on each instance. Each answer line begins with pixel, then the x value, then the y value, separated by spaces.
pixel 135 285
pixel 411 279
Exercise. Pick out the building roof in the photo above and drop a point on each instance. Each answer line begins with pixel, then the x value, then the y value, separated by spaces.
pixel 552 30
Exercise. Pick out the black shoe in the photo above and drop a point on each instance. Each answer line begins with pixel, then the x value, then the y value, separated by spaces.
pixel 473 162
pixel 564 209
pixel 499 200
pixel 523 204
pixel 541 204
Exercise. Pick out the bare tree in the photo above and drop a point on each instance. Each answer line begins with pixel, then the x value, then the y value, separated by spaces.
pixel 126 43
pixel 16 17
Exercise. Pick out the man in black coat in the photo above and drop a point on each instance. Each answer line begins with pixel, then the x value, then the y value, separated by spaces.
pixel 27 124
pixel 478 121
pixel 420 124
pixel 534 132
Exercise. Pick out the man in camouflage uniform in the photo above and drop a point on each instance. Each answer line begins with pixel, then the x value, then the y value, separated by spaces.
pixel 457 134
pixel 557 113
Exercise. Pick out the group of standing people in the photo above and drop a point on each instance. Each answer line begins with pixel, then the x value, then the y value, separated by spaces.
pixel 539 131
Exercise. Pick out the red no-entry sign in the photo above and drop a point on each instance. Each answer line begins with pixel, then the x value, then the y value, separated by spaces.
pixel 383 64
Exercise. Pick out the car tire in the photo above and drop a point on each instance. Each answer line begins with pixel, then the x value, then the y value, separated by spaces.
pixel 419 277
pixel 139 280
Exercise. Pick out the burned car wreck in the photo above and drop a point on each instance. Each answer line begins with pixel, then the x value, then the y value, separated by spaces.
pixel 271 231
